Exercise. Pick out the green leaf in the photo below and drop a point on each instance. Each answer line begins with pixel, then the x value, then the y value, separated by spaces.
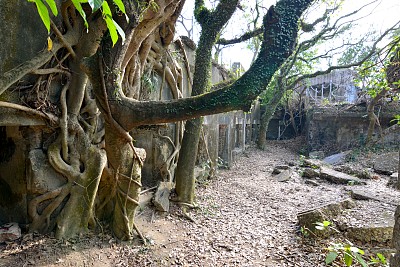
pixel 360 260
pixel 357 250
pixel 95 4
pixel 112 25
pixel 78 6
pixel 106 10
pixel 120 31
pixel 326 223
pixel 348 259
pixel 120 5
pixel 107 15
pixel 43 13
pixel 112 29
pixel 381 257
pixel 53 6
pixel 330 257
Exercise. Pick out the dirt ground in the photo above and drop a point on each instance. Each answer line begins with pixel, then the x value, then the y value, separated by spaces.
pixel 245 218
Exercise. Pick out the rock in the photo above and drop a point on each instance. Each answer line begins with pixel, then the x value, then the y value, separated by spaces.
pixel 381 234
pixel 394 175
pixel 316 154
pixel 358 172
pixel 360 195
pixel 339 177
pixel 336 158
pixel 9 232
pixel 161 197
pixel 284 176
pixel 307 219
pixel 376 228
pixel 311 182
pixel 386 163
pixel 310 173
pixel 279 168
pixel 313 163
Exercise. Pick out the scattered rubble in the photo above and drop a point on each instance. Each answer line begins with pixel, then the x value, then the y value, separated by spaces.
pixel 239 223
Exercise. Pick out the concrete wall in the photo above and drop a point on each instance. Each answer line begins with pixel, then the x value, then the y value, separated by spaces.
pixel 333 131
pixel 17 26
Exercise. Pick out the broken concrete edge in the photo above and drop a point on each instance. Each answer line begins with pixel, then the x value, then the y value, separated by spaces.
pixel 365 173
pixel 382 234
pixel 312 163
pixel 331 176
pixel 339 177
pixel 161 196
pixel 284 176
pixel 309 219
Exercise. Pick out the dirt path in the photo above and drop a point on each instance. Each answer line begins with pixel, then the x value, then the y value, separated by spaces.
pixel 246 218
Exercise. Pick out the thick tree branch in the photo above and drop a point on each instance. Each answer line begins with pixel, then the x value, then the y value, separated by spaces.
pixel 12 76
pixel 244 37
pixel 279 40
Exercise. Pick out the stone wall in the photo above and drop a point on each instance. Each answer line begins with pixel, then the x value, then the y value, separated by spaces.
pixel 333 130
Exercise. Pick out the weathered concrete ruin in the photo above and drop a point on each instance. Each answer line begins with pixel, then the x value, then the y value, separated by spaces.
pixel 25 171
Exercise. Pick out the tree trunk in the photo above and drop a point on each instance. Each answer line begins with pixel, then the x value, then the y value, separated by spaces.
pixel 185 180
pixel 127 162
pixel 271 106
pixel 398 173
pixel 78 211
pixel 395 259
pixel 373 119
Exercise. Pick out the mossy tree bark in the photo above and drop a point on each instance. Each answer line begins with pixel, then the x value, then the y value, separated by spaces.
pixel 280 24
pixel 279 40
pixel 271 105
